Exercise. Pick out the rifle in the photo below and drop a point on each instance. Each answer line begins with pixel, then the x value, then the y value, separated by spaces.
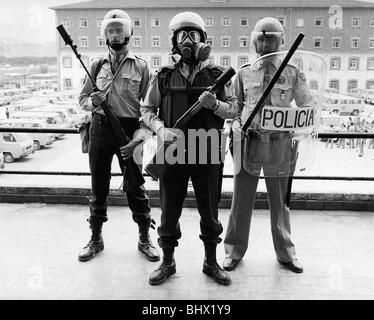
pixel 155 169
pixel 133 176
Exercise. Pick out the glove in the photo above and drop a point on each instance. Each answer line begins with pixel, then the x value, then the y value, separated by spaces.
pixel 208 99
pixel 237 132
pixel 128 150
pixel 97 98
pixel 166 135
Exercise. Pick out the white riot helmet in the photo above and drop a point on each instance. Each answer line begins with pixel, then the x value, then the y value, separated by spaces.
pixel 267 36
pixel 192 26
pixel 119 16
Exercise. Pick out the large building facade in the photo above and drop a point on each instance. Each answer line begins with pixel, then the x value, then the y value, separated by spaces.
pixel 342 31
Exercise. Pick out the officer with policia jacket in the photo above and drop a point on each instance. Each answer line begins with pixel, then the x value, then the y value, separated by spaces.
pixel 270 150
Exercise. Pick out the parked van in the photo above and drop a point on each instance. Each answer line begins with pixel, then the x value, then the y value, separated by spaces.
pixel 40 139
pixel 15 145
pixel 341 104
pixel 52 119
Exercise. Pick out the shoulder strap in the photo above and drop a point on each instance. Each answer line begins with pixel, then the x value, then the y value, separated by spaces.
pixel 97 65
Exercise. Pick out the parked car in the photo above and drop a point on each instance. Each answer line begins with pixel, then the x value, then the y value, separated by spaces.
pixel 15 145
pixel 40 139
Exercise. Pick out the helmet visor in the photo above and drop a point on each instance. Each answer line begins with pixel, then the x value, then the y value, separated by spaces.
pixel 193 35
pixel 265 42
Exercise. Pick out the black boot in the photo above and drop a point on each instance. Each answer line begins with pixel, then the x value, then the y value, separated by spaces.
pixel 145 244
pixel 165 269
pixel 96 244
pixel 211 267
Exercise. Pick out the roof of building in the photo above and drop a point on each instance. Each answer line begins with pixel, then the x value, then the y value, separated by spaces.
pixel 112 4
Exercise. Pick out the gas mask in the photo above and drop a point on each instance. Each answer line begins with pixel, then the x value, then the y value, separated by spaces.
pixel 190 46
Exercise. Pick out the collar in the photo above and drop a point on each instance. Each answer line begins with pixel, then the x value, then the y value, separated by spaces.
pixel 275 62
pixel 129 55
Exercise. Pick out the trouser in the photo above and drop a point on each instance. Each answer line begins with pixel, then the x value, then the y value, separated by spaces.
pixel 103 145
pixel 173 189
pixel 237 234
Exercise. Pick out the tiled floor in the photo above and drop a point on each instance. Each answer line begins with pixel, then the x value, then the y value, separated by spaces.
pixel 39 246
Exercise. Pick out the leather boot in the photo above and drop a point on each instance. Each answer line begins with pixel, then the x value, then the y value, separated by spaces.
pixel 165 269
pixel 145 244
pixel 211 268
pixel 96 243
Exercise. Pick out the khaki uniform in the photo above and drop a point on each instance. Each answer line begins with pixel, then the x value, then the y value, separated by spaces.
pixel 267 150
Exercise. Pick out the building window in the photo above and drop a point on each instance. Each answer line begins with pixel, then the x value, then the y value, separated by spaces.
pixel 317 42
pixel 353 64
pixel 243 42
pixel 83 22
pixel 369 84
pixel 336 43
pixel 66 23
pixel 83 42
pixel 136 22
pixel 282 20
pixel 243 22
pixel 156 62
pixel 371 43
pixel 300 22
pixel 99 23
pixel 67 84
pixel 155 42
pixel 66 62
pixel 334 84
pixel 319 22
pixel 355 43
pixel 209 40
pixel 242 61
pixel 351 84
pixel 101 42
pixel 137 41
pixel 226 21
pixel 335 63
pixel 225 42
pixel 355 22
pixel 225 61
pixel 155 22
pixel 209 22
pixel 370 64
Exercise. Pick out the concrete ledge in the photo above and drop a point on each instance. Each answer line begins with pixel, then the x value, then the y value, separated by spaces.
pixel 300 201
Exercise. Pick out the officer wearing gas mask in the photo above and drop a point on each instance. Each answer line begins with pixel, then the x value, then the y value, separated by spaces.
pixel 174 89
pixel 123 80
pixel 264 149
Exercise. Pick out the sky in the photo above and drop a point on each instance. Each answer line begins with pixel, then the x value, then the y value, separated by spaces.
pixel 29 20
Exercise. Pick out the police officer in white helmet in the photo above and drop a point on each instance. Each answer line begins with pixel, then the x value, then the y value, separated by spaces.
pixel 172 92
pixel 123 80
pixel 261 149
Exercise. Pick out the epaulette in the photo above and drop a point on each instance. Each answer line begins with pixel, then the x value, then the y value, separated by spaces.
pixel 140 57
pixel 245 65
pixel 166 68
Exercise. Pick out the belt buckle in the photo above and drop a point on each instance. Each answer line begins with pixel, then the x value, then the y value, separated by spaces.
pixel 265 137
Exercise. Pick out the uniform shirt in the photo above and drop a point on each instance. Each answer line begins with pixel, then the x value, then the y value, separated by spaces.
pixel 227 107
pixel 291 85
pixel 124 89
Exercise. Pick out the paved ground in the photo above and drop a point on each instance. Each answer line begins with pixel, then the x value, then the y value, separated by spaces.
pixel 39 246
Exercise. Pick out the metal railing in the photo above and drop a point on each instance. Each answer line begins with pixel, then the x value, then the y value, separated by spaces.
pixel 321 135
